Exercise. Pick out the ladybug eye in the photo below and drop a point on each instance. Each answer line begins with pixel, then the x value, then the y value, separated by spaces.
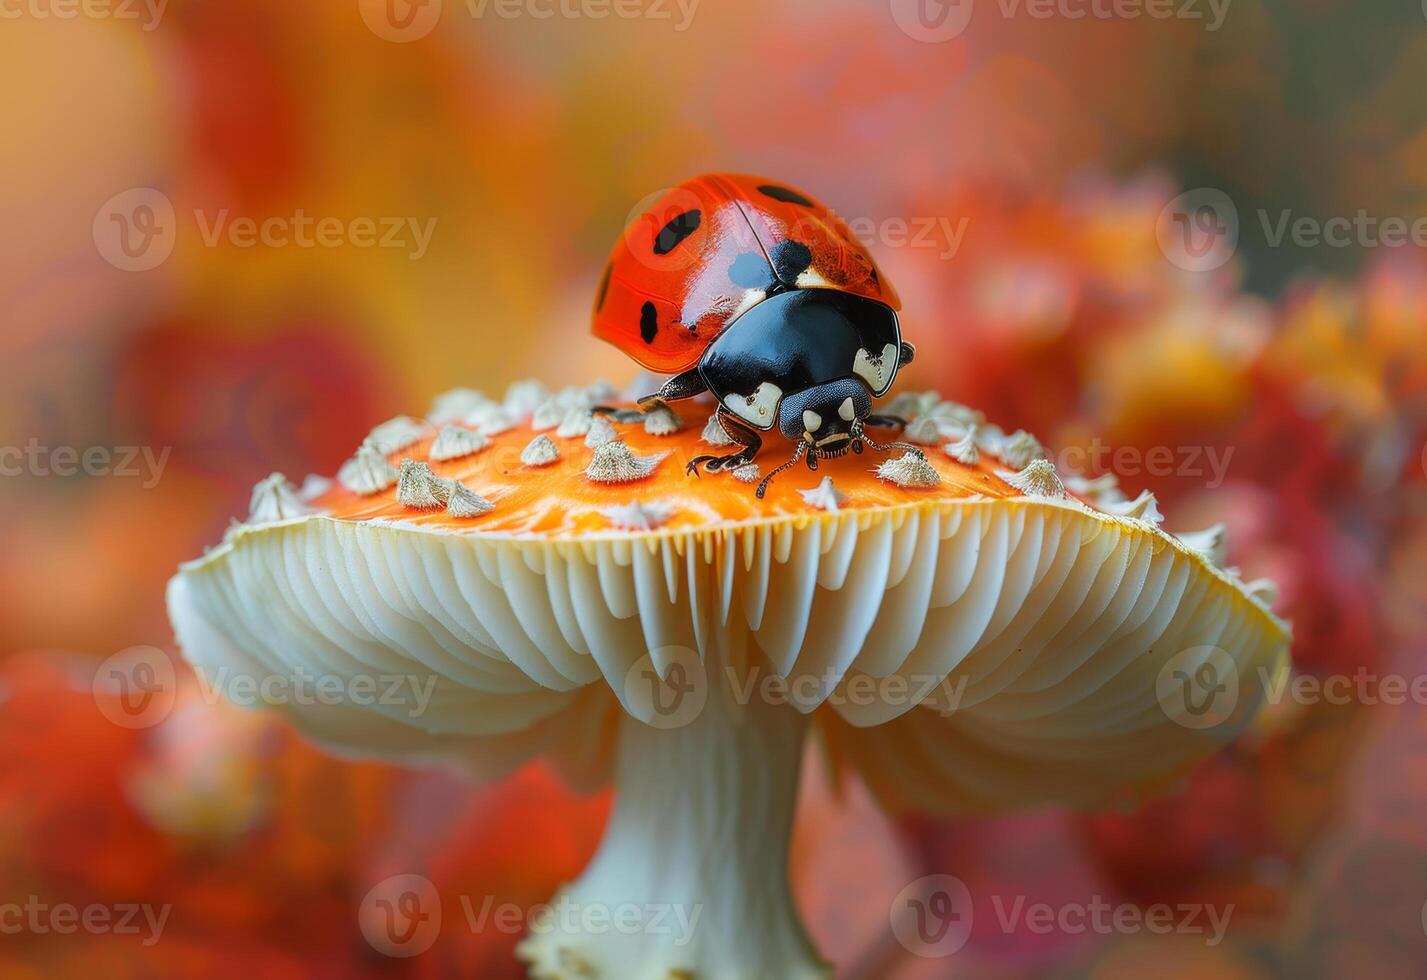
pixel 846 410
pixel 812 421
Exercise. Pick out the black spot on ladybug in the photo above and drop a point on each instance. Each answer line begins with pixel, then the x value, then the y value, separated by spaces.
pixel 785 195
pixel 790 260
pixel 604 287
pixel 750 270
pixel 648 323
pixel 679 227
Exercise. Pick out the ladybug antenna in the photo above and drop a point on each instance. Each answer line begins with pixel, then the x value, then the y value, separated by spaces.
pixel 797 455
pixel 889 446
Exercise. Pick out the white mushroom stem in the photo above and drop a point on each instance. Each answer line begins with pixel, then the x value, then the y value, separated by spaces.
pixel 695 856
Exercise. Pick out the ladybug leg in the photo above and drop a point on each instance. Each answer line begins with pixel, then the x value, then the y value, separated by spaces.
pixel 750 440
pixel 685 385
pixel 886 421
pixel 619 414
pixel 680 386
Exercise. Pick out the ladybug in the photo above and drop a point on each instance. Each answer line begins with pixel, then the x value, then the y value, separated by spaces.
pixel 753 291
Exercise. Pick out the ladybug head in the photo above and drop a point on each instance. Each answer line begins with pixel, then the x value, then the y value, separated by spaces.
pixel 826 417
pixel 826 421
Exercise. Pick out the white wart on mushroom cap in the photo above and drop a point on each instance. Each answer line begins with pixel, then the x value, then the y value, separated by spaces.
pixel 970 647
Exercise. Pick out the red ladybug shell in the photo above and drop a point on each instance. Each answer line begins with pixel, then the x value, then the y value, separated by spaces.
pixel 699 255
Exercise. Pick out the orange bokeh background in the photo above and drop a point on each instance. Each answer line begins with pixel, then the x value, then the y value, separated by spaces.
pixel 1012 182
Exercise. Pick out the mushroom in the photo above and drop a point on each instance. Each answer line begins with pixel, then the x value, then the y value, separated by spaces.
pixel 980 641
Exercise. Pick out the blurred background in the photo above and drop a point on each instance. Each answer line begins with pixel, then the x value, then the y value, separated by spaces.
pixel 235 234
